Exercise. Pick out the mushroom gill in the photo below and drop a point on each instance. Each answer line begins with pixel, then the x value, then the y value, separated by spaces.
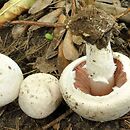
pixel 83 81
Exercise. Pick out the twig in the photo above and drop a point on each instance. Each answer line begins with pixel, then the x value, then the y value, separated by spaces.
pixel 43 24
pixel 127 123
pixel 32 71
pixel 125 117
pixel 2 111
pixel 61 117
pixel 123 13
pixel 17 123
pixel 5 40
pixel 73 7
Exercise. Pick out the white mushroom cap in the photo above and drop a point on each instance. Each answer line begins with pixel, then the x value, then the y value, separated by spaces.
pixel 10 79
pixel 97 108
pixel 39 95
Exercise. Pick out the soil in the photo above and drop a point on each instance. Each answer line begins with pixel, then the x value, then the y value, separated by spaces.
pixel 29 51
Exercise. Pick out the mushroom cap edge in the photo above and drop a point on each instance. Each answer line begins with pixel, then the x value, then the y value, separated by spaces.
pixel 97 108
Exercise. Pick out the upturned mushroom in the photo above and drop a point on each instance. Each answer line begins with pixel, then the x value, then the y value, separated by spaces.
pixel 10 80
pixel 39 95
pixel 96 86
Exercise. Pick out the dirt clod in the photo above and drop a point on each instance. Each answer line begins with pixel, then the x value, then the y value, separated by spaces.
pixel 94 25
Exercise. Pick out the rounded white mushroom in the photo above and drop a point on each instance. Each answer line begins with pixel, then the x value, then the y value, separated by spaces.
pixel 39 95
pixel 10 79
pixel 97 108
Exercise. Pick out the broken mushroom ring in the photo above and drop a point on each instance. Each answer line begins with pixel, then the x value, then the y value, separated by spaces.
pixel 97 108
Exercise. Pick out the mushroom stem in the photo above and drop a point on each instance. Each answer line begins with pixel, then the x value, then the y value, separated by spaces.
pixel 100 65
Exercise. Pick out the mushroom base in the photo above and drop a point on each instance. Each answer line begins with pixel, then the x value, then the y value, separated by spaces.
pixel 97 108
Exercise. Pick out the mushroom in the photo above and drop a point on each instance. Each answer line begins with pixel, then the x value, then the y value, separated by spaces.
pixel 96 86
pixel 39 95
pixel 10 79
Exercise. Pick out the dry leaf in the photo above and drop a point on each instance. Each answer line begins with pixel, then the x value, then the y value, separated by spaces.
pixel 13 8
pixel 51 52
pixel 116 3
pixel 60 4
pixel 60 30
pixel 39 5
pixel 69 50
pixel 45 66
pixel 18 30
pixel 62 62
pixel 114 10
pixel 51 18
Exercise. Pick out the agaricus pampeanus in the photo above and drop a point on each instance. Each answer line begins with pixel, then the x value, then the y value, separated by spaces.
pixel 39 95
pixel 96 86
pixel 10 80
